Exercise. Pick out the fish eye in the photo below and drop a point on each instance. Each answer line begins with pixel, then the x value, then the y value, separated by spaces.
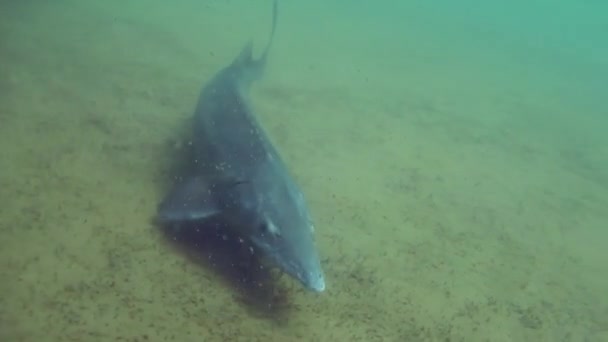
pixel 263 228
pixel 270 229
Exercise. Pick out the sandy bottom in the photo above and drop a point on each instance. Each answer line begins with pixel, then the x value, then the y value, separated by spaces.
pixel 458 194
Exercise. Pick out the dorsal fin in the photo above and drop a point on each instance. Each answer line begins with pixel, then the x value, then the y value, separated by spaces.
pixel 245 57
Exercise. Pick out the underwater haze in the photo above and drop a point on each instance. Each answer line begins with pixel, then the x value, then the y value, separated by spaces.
pixel 454 155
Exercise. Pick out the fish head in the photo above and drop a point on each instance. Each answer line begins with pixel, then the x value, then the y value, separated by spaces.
pixel 284 234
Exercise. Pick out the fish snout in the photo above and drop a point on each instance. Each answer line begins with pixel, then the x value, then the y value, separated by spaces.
pixel 314 281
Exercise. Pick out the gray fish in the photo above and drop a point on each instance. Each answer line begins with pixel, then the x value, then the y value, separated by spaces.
pixel 239 177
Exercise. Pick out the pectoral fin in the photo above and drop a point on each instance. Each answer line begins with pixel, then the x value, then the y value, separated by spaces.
pixel 191 200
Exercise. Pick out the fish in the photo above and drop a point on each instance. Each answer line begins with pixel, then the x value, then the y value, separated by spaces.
pixel 237 175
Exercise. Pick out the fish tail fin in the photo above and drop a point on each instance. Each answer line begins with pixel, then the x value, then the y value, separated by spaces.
pixel 245 61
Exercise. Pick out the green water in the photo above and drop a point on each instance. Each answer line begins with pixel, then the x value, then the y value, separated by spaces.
pixel 454 155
